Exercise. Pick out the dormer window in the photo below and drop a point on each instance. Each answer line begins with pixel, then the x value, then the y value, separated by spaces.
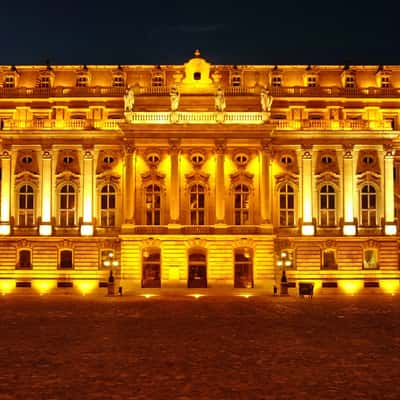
pixel 276 81
pixel 44 82
pixel 118 81
pixel 348 78
pixel 236 80
pixel 311 80
pixel 197 76
pixel 9 81
pixel 385 81
pixel 157 80
pixel 82 81
pixel 350 82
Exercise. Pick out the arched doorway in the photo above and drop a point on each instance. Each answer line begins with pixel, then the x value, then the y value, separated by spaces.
pixel 197 274
pixel 243 268
pixel 151 271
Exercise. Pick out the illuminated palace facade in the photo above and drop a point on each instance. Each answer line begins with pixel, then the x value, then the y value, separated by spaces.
pixel 199 175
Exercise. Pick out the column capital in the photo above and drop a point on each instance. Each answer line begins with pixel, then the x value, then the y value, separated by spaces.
pixel 220 146
pixel 174 146
pixel 388 149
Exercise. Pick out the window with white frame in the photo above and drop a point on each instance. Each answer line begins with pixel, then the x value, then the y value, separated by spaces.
pixel 327 206
pixel 26 205
pixel 153 204
pixel 385 81
pixel 197 205
pixel 312 80
pixel 241 204
pixel 67 205
pixel 108 205
pixel 286 205
pixel 368 207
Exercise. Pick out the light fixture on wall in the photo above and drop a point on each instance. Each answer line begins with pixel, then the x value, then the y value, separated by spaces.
pixel 146 253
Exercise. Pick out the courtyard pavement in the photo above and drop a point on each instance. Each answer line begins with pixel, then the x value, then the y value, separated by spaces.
pixel 181 348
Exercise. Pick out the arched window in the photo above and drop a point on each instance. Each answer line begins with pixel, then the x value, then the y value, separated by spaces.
pixel 368 206
pixel 26 206
pixel 151 275
pixel 108 205
pixel 153 205
pixel 67 204
pixel 243 268
pixel 241 204
pixel 197 205
pixel 197 274
pixel 286 205
pixel 327 206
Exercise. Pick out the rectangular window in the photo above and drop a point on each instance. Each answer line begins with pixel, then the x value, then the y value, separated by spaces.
pixel 118 81
pixel 329 259
pixel 276 81
pixel 9 82
pixel 44 82
pixel 82 81
pixel 385 82
pixel 236 81
pixel 350 82
pixel 157 81
pixel 312 81
pixel 370 259
pixel 24 259
pixel 66 259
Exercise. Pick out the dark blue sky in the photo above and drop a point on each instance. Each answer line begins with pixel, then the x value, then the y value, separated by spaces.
pixel 227 32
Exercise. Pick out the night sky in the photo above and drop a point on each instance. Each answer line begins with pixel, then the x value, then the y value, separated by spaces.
pixel 226 32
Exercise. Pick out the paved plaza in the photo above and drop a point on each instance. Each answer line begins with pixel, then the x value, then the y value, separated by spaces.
pixel 214 347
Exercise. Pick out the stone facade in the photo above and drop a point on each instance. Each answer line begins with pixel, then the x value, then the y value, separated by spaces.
pixel 199 175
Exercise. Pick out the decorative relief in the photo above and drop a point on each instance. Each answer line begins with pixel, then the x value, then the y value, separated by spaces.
pixel 151 243
pixel 327 162
pixel 242 177
pixel 68 160
pixel 243 242
pixel 27 162
pixel 153 158
pixel 197 158
pixel 107 160
pixel 241 158
pixel 28 178
pixel 24 244
pixel 287 159
pixel 196 243
pixel 152 176
pixel 197 176
pixel 368 162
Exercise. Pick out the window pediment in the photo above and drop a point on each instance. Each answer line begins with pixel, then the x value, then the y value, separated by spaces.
pixel 197 176
pixel 242 177
pixel 152 176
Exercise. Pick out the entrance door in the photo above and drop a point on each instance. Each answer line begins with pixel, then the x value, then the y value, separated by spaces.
pixel 243 269
pixel 197 276
pixel 151 270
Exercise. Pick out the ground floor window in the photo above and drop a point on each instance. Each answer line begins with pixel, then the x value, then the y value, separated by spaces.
pixel 66 259
pixel 151 274
pixel 197 274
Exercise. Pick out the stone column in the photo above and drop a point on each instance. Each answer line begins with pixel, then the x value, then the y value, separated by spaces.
pixel 307 227
pixel 130 185
pixel 265 190
pixel 390 226
pixel 174 200
pixel 87 220
pixel 5 227
pixel 349 228
pixel 45 228
pixel 220 183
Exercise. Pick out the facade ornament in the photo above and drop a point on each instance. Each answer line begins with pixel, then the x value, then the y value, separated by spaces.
pixel 220 103
pixel 129 100
pixel 266 100
pixel 174 98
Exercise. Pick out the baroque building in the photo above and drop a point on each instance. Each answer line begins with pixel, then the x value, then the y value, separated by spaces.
pixel 199 175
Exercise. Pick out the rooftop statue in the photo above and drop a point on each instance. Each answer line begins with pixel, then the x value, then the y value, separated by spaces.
pixel 129 100
pixel 220 103
pixel 174 97
pixel 266 100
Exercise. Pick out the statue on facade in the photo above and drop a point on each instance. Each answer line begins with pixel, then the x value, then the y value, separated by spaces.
pixel 174 97
pixel 129 100
pixel 266 100
pixel 220 104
